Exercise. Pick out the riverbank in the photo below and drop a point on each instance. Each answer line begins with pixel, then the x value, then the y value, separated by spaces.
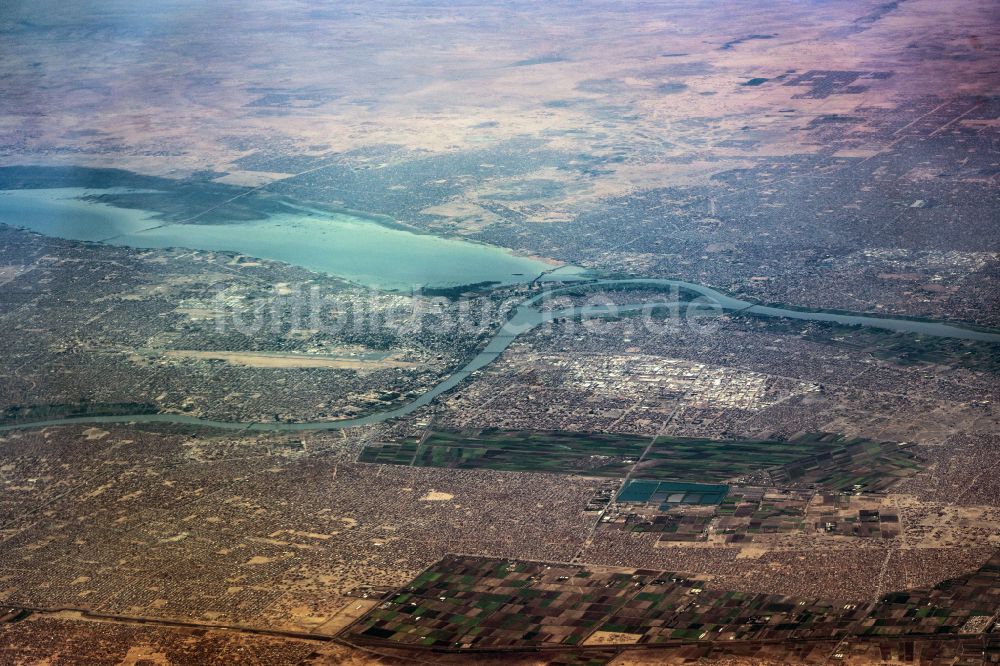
pixel 527 317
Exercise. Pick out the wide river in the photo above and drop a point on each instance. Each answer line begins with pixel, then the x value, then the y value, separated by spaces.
pixel 528 316
pixel 349 246
pixel 376 255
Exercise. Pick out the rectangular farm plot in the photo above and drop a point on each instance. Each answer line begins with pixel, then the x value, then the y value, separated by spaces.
pixel 595 454
pixel 826 460
pixel 400 454
pixel 718 460
pixel 476 603
pixel 465 602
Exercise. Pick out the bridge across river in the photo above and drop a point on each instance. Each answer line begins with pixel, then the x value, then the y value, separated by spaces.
pixel 527 316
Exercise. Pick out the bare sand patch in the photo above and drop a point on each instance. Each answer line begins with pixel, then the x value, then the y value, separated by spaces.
pixel 354 609
pixel 251 178
pixel 612 638
pixel 435 496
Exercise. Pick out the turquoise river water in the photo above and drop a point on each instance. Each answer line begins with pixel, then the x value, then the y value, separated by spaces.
pixel 348 246
pixel 372 254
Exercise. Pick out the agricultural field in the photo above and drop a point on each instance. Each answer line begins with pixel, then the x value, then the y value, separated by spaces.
pixel 746 513
pixel 717 460
pixel 671 526
pixel 855 466
pixel 500 333
pixel 593 454
pixel 464 602
pixel 904 349
pixel 823 459
pixel 673 471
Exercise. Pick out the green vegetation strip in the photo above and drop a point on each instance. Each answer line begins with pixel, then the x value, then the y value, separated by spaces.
pixel 30 413
pixel 822 459
pixel 891 346
pixel 826 460
pixel 559 452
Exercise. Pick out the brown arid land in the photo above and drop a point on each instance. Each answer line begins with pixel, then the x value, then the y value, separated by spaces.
pixel 826 155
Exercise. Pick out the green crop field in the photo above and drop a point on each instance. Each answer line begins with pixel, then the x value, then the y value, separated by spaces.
pixel 397 454
pixel 559 452
pixel 718 460
pixel 891 346
pixel 824 459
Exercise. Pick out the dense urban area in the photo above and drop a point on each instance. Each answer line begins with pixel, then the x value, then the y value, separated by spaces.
pixel 213 457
